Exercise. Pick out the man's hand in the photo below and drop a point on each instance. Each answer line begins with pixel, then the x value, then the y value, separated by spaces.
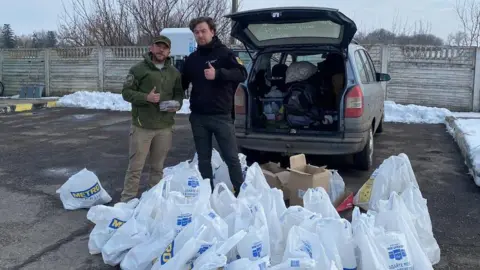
pixel 210 72
pixel 153 97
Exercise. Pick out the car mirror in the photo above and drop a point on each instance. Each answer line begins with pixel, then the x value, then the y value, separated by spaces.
pixel 383 77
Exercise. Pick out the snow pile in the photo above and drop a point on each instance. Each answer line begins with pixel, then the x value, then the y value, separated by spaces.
pixel 95 100
pixel 414 114
pixel 181 224
pixel 104 101
pixel 470 129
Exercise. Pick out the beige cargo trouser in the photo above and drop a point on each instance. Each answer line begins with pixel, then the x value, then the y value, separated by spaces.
pixel 157 143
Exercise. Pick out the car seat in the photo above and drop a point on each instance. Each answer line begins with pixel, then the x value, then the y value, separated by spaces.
pixel 279 71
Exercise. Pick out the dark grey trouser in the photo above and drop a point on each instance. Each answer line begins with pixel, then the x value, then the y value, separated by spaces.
pixel 222 126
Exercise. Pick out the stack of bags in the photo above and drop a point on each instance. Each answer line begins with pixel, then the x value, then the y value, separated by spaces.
pixel 182 224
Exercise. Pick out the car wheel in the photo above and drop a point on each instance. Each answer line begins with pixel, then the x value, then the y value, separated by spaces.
pixel 380 126
pixel 364 160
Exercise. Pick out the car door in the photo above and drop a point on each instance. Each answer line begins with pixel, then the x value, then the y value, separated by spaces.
pixel 292 26
pixel 379 90
pixel 367 79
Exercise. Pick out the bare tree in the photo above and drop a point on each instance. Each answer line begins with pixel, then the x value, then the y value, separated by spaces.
pixel 468 12
pixel 103 22
pixel 132 22
pixel 458 39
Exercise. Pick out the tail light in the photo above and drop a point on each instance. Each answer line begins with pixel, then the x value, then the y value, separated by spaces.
pixel 354 102
pixel 240 105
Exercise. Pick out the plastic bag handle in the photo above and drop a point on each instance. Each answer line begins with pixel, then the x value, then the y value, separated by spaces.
pixel 165 184
pixel 216 190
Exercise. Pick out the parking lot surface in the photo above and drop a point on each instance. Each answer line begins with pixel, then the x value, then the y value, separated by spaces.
pixel 40 150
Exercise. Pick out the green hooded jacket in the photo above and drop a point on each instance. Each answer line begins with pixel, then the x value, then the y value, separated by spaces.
pixel 141 79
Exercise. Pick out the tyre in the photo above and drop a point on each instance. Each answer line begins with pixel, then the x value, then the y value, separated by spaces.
pixel 363 161
pixel 380 126
pixel 2 89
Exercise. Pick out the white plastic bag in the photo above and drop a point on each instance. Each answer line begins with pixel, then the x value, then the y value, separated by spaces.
pixel 336 237
pixel 336 187
pixel 179 211
pixel 245 263
pixel 256 244
pixel 215 256
pixel 151 200
pixel 317 201
pixel 222 200
pixel 190 183
pixel 143 255
pixel 278 201
pixel 393 215
pixel 171 170
pixel 82 190
pixel 294 215
pixel 417 206
pixel 393 175
pixel 304 244
pixel 255 182
pixel 216 160
pixel 243 164
pixel 180 261
pixel 379 249
pixel 107 220
pixel 296 264
pixel 126 237
pixel 277 241
pixel 206 223
pixel 221 175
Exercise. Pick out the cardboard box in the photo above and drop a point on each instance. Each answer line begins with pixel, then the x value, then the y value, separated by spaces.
pixel 277 177
pixel 304 176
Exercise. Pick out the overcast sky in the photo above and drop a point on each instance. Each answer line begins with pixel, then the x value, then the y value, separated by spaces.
pixel 26 16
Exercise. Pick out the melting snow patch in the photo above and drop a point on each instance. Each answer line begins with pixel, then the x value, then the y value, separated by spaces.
pixel 414 114
pixel 104 101
pixel 95 100
pixel 470 129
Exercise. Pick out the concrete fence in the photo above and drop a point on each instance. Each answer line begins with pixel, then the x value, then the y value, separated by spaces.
pixel 424 75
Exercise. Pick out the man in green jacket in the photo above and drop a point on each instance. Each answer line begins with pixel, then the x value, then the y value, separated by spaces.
pixel 148 83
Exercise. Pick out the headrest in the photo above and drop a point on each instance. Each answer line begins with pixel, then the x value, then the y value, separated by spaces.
pixel 300 71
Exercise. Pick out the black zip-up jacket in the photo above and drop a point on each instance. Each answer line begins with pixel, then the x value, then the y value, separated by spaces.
pixel 213 96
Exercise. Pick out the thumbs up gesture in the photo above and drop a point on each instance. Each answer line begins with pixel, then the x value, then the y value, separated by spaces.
pixel 153 97
pixel 210 72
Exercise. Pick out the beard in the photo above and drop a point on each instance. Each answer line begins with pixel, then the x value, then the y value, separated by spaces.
pixel 159 57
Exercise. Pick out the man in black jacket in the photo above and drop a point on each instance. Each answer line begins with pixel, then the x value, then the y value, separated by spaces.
pixel 215 73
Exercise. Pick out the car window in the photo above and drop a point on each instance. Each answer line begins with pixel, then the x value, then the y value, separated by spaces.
pixel 362 72
pixel 275 59
pixel 288 60
pixel 314 59
pixel 369 66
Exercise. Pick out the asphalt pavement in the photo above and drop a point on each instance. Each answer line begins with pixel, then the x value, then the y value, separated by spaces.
pixel 39 150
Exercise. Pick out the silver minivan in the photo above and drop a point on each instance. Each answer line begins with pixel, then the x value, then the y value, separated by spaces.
pixel 310 89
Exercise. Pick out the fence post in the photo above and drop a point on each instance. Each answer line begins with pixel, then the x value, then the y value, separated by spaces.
pixel 47 72
pixel 385 58
pixel 476 82
pixel 101 62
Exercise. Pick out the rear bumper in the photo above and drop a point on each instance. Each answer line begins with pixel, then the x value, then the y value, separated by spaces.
pixel 352 143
